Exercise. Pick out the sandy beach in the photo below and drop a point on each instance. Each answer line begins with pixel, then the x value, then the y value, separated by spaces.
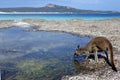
pixel 109 28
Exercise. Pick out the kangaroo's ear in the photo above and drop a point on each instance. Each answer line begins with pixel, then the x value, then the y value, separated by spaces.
pixel 78 47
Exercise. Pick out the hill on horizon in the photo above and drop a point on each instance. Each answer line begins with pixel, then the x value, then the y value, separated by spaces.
pixel 56 8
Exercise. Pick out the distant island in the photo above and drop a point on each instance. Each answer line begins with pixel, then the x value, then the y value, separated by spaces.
pixel 53 8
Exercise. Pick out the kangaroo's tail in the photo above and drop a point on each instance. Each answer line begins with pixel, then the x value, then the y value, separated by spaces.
pixel 112 58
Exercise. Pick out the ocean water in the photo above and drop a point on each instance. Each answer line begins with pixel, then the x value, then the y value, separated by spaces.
pixel 58 16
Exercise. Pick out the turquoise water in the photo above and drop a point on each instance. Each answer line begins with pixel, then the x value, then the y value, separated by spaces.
pixel 58 16
pixel 37 55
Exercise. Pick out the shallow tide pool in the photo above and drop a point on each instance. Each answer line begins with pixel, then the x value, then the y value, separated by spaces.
pixel 37 55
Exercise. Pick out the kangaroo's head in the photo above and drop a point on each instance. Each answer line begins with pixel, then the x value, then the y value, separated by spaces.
pixel 80 50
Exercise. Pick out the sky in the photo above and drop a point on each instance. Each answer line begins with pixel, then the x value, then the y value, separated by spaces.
pixel 112 5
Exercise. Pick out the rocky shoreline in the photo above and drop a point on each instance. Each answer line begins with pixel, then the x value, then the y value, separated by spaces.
pixel 109 28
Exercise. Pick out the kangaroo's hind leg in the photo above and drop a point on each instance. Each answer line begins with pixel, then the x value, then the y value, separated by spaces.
pixel 95 54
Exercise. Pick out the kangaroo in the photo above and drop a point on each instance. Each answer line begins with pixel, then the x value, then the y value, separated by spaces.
pixel 96 45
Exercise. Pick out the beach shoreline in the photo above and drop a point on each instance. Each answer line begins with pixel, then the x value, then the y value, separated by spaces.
pixel 109 28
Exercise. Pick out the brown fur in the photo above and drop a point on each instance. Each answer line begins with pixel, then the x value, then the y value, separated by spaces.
pixel 95 45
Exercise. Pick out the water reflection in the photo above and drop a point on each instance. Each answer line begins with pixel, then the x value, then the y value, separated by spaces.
pixel 81 63
pixel 38 55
